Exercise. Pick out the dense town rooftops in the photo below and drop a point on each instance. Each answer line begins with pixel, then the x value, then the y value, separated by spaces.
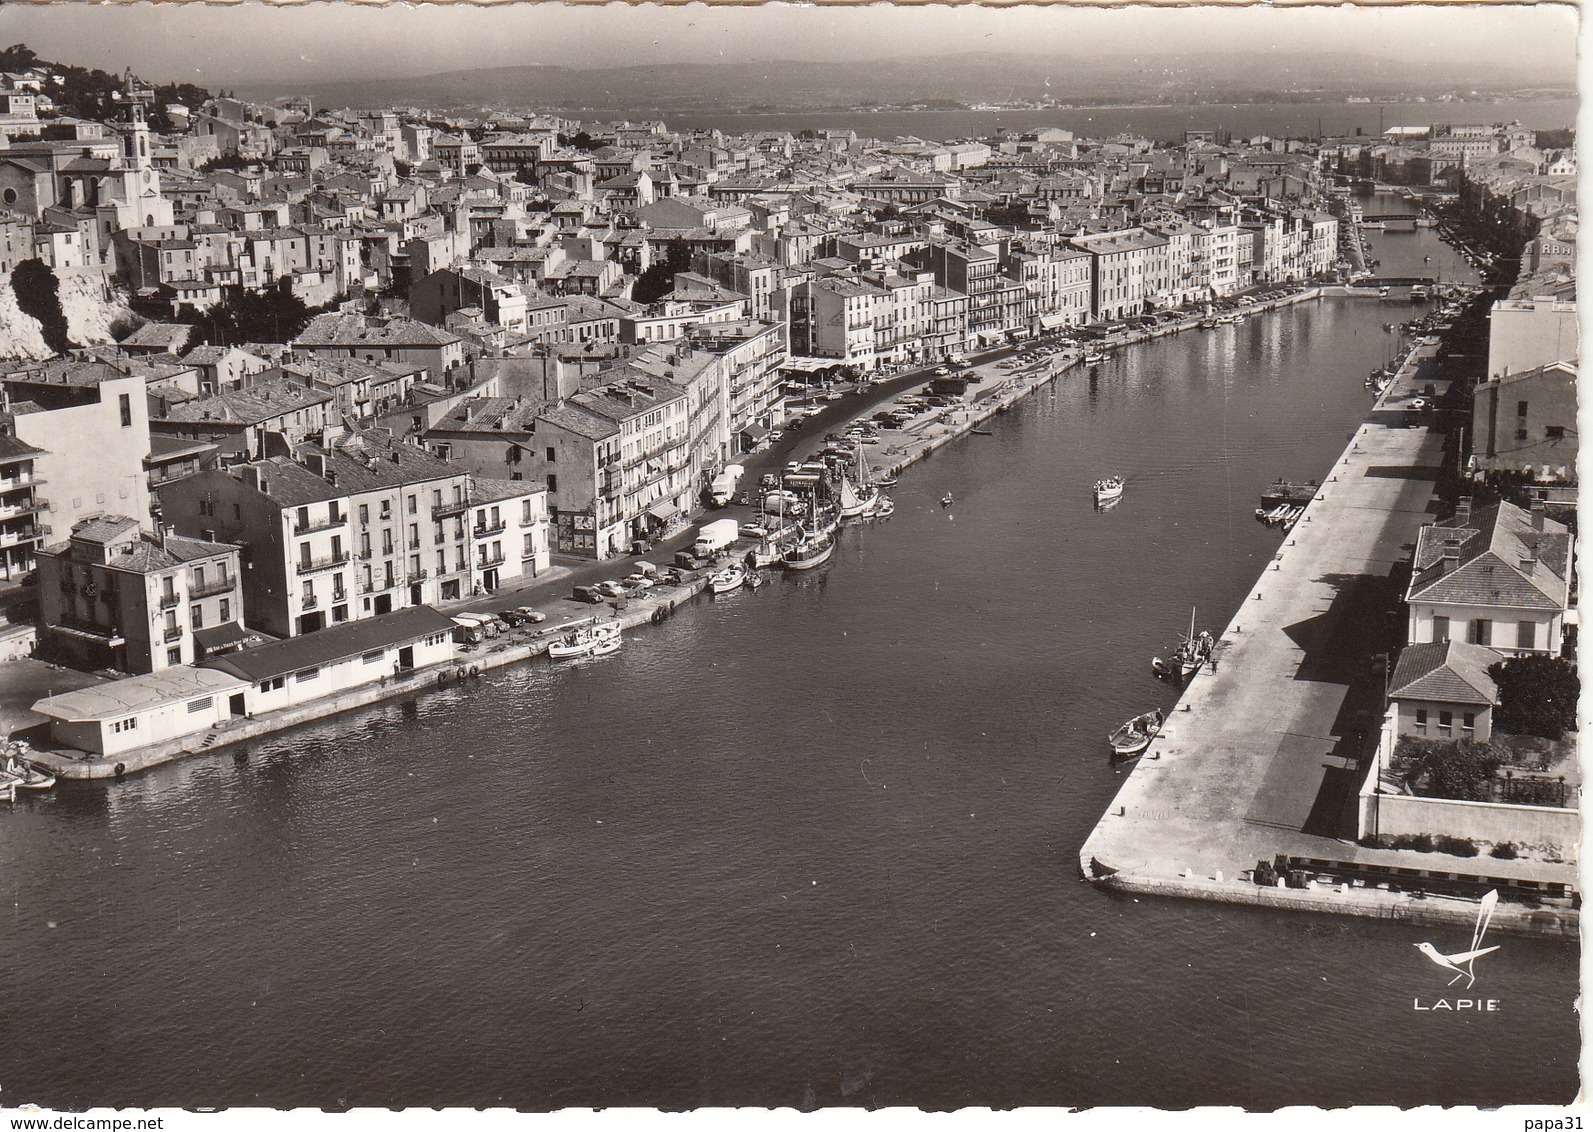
pixel 357 330
pixel 579 420
pixel 260 403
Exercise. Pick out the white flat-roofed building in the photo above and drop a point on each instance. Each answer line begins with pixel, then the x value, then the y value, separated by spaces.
pixel 122 715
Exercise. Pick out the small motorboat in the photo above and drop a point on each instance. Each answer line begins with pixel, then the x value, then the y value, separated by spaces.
pixel 754 579
pixel 887 481
pixel 572 645
pixel 732 577
pixel 1109 490
pixel 607 646
pixel 1134 736
pixel 1095 359
pixel 981 432
pixel 946 500
pixel 35 778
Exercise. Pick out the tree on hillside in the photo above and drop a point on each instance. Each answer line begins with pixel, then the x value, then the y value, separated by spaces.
pixel 1537 695
pixel 18 57
pixel 580 140
pixel 657 280
pixel 274 314
pixel 39 295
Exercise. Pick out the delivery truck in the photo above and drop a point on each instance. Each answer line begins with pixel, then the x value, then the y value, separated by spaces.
pixel 714 537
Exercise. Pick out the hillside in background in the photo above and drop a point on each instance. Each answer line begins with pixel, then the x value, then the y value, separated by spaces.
pixel 966 78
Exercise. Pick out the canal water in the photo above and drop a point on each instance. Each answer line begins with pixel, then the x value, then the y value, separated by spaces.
pixel 810 845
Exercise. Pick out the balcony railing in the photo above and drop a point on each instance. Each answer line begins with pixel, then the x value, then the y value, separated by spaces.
pixel 170 601
pixel 12 538
pixel 314 525
pixel 489 529
pixel 211 589
pixel 417 576
pixel 449 508
pixel 316 565
pixel 20 510
pixel 310 602
pixel 175 633
pixel 491 559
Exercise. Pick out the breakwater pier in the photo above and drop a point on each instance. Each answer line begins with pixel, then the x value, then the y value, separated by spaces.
pixel 1261 755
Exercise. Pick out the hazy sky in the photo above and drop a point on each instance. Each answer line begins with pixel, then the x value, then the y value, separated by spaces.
pixel 238 42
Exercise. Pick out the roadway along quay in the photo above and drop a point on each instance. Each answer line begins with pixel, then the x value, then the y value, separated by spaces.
pixel 1259 757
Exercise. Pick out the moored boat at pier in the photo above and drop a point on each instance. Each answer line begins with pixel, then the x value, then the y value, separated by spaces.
pixel 1282 491
pixel 813 550
pixel 1134 736
pixel 732 577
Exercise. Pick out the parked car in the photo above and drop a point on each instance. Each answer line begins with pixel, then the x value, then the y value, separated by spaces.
pixel 531 616
pixel 611 588
pixel 637 581
pixel 588 594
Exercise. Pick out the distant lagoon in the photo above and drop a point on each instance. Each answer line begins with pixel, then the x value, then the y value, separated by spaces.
pixel 1166 123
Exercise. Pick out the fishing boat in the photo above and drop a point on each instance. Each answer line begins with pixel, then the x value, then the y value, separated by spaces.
pixel 812 550
pixel 1193 651
pixel 1109 490
pixel 883 481
pixel 766 553
pixel 884 510
pixel 1095 359
pixel 732 577
pixel 981 432
pixel 1209 324
pixel 1134 736
pixel 854 503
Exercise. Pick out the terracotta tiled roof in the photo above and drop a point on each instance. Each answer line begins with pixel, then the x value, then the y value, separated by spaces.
pixel 1445 672
pixel 1488 572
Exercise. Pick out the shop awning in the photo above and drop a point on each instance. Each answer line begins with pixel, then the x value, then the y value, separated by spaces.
pixel 755 432
pixel 223 638
pixel 1052 321
pixel 663 511
pixel 988 336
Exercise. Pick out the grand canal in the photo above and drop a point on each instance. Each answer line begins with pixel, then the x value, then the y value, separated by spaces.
pixel 810 845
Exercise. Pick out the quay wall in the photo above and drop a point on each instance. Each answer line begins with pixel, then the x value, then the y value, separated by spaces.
pixel 1345 900
pixel 951 425
pixel 466 665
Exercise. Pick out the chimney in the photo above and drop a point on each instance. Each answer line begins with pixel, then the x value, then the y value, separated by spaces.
pixel 1463 511
pixel 1528 562
pixel 1451 560
pixel 1537 514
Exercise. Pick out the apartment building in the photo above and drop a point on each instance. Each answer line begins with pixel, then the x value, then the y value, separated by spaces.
pixel 115 596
